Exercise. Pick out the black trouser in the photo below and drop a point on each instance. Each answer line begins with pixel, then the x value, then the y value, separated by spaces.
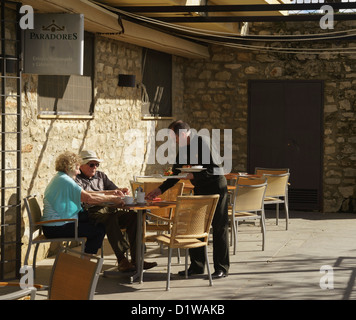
pixel 115 220
pixel 94 233
pixel 220 225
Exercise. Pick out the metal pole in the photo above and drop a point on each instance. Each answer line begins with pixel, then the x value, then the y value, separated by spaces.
pixel 2 179
pixel 19 141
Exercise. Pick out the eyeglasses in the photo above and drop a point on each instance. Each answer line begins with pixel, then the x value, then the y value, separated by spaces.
pixel 92 165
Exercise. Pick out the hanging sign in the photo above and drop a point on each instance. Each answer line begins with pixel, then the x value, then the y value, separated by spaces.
pixel 55 46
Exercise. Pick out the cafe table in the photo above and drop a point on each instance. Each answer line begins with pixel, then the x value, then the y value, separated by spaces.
pixel 141 210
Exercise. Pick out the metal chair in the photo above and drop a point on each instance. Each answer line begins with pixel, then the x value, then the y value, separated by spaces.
pixel 36 236
pixel 231 179
pixel 190 228
pixel 248 204
pixel 18 293
pixel 74 275
pixel 277 189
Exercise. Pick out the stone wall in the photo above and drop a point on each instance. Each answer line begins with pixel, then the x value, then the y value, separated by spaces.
pixel 216 96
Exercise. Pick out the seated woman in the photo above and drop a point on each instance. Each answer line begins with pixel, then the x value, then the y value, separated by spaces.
pixel 62 200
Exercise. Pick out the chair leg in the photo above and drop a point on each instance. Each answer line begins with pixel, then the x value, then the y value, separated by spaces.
pixel 232 236
pixel 277 213
pixel 34 260
pixel 178 255
pixel 142 259
pixel 82 247
pixel 169 268
pixel 27 253
pixel 263 229
pixel 207 265
pixel 235 226
pixel 186 263
pixel 287 212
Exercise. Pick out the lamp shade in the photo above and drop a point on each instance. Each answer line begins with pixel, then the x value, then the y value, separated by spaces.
pixel 127 80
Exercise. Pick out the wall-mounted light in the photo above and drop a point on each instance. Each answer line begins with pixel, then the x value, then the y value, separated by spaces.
pixel 127 80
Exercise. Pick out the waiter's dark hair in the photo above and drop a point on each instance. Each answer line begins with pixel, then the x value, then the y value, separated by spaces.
pixel 178 125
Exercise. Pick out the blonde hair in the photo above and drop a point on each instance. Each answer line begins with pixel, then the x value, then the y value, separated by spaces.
pixel 67 162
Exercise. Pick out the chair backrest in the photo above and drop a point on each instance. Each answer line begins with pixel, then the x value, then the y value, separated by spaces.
pixel 134 185
pixel 148 179
pixel 169 195
pixel 261 171
pixel 245 180
pixel 73 276
pixel 249 194
pixel 34 212
pixel 147 186
pixel 231 178
pixel 277 184
pixel 193 217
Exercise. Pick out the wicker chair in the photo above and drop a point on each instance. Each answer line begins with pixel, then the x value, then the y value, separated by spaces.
pixel 74 277
pixel 248 204
pixel 277 188
pixel 231 179
pixel 36 236
pixel 157 216
pixel 190 228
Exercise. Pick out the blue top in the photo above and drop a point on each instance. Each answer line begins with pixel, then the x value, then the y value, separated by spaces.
pixel 61 199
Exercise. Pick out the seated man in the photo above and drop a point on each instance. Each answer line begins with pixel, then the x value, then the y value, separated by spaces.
pixel 114 219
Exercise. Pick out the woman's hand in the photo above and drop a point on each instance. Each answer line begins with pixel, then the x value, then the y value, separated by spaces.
pixel 153 194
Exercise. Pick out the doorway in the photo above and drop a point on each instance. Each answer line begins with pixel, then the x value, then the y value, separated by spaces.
pixel 285 130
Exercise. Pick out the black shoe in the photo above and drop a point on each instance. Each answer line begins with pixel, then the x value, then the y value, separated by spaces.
pixel 219 274
pixel 190 272
pixel 149 265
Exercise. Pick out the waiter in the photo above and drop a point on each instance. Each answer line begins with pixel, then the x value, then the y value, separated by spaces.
pixel 194 150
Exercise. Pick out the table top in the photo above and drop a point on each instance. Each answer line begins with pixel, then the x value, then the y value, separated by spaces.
pixel 151 205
